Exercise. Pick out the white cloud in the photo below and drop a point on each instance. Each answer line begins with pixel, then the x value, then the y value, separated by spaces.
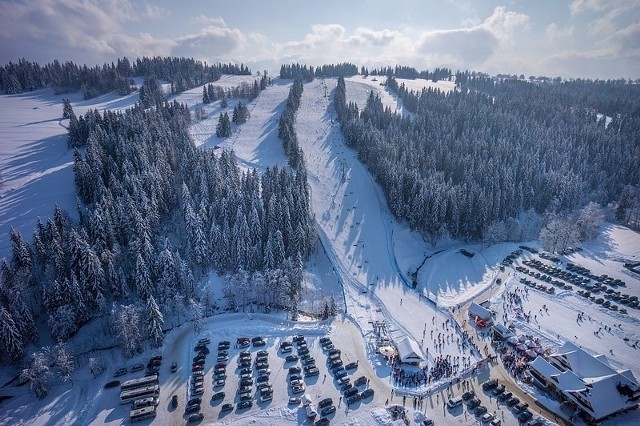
pixel 152 11
pixel 217 21
pixel 555 33
pixel 579 6
pixel 210 42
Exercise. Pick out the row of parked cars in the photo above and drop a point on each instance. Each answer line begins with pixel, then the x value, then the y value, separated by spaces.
pixel 474 405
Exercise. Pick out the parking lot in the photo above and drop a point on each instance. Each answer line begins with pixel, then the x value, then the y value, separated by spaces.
pixel 234 375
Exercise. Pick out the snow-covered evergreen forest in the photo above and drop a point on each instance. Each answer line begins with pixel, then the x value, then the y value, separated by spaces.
pixel 156 214
pixel 472 161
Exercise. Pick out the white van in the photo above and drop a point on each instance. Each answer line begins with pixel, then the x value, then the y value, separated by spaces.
pixel 454 402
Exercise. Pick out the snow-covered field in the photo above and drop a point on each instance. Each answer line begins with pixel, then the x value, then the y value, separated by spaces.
pixel 364 253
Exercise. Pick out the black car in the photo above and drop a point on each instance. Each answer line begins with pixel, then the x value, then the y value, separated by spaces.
pixel 303 351
pixel 312 372
pixel 328 410
pixel 308 361
pixel 291 358
pixel 360 381
pixel 174 401
pixel 339 372
pixel 294 370
pixel 489 384
pixel 218 395
pixel 351 366
pixel 473 403
pixel 480 410
pixel 246 382
pixel 346 387
pixel 322 422
pixel 196 417
pixel 112 384
pixel 226 407
pixel 245 404
pixel 498 390
pixel 196 400
pixel 505 396
pixel 192 408
pixel 367 393
pixel 350 392
pixel 259 343
pixel 325 402
pixel 512 401
pixel 468 395
pixel 353 399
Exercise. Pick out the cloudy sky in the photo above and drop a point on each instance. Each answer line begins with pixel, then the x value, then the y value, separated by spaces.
pixel 579 38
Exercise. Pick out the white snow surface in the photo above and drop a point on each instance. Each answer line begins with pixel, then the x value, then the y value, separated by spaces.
pixel 363 251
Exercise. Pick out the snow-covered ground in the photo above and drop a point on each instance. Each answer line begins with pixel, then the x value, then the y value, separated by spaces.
pixel 363 252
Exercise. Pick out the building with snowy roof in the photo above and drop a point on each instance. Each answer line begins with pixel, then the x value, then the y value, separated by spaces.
pixel 479 311
pixel 587 381
pixel 408 351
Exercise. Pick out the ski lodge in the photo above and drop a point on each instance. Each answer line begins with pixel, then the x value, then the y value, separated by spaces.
pixel 481 315
pixel 588 383
pixel 409 351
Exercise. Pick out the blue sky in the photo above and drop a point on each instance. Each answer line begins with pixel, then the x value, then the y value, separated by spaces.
pixel 579 38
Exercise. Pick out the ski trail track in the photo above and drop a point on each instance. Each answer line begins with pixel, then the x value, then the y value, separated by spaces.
pixel 356 227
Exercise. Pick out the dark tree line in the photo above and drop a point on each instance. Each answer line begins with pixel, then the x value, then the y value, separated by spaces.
pixel 212 93
pixel 410 73
pixel 286 130
pixel 155 214
pixel 181 73
pixel 471 158
pixel 308 73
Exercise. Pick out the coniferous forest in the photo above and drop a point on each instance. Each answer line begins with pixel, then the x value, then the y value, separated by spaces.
pixel 481 155
pixel 156 213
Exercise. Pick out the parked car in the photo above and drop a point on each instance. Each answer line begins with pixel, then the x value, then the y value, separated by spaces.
pixel 525 416
pixel 350 392
pixel 120 372
pixel 489 384
pixel 496 422
pixel 468 395
pixel 520 407
pixel 218 383
pixel 112 384
pixel 325 402
pixel 341 372
pixel 512 401
pixel 196 400
pixel 454 402
pixel 217 396
pixel 174 366
pixel 196 417
pixel 192 408
pixel 291 358
pixel 137 367
pixel 487 417
pixel 312 372
pixel 351 366
pixel 297 389
pixel 362 380
pixel 478 411
pixel 353 399
pixel 266 397
pixel 245 404
pixel 174 401
pixel 328 410
pixel 498 390
pixel 226 407
pixel 294 400
pixel 473 403
pixel 504 396
pixel 367 393
pixel 294 370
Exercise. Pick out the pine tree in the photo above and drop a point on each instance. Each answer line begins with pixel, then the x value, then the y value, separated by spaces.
pixel 11 342
pixel 155 321
pixel 37 375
